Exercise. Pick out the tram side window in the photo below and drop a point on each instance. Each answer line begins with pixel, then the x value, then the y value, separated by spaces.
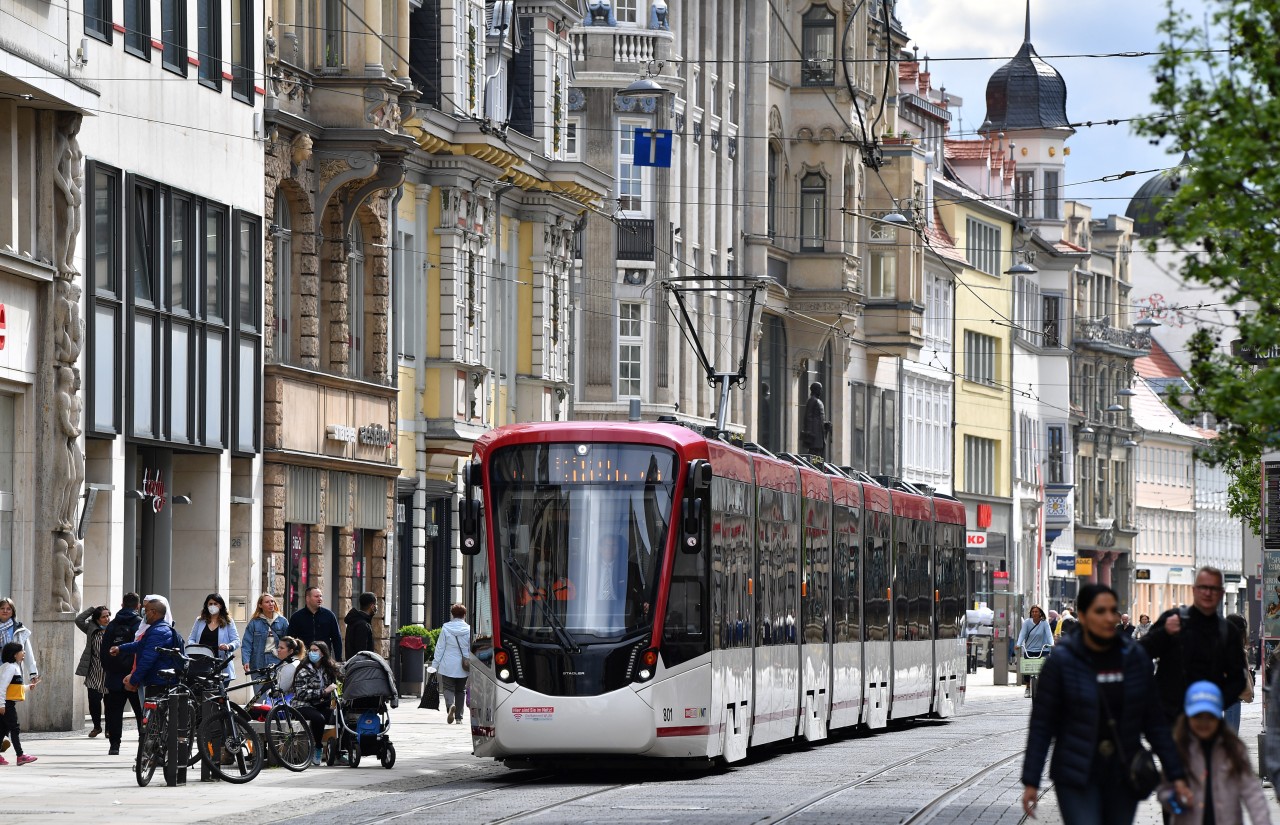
pixel 731 562
pixel 923 591
pixel 684 627
pixel 876 578
pixel 817 567
pixel 790 572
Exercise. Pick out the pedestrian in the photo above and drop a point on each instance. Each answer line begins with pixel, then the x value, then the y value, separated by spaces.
pixel 314 684
pixel 1196 644
pixel 287 650
pixel 262 635
pixel 316 623
pixel 1143 627
pixel 1232 713
pixel 155 632
pixel 1126 627
pixel 1034 639
pixel 1220 776
pixel 1093 706
pixel 1066 623
pixel 92 622
pixel 216 630
pixel 452 660
pixel 12 630
pixel 359 622
pixel 14 691
pixel 123 628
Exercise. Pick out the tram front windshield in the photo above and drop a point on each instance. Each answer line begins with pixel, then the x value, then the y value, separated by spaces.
pixel 579 536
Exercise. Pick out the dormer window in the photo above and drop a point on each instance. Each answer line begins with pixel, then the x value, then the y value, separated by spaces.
pixel 819 43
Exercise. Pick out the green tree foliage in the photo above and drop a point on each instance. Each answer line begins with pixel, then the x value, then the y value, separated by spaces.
pixel 1218 98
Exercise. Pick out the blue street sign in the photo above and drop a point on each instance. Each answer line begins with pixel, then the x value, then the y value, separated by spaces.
pixel 653 147
pixel 1065 564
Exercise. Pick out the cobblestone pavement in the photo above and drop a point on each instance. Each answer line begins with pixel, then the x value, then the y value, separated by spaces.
pixel 963 770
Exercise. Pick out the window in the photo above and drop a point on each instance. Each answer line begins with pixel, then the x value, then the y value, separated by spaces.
pixel 1024 185
pixel 97 21
pixel 979 466
pixel 1056 454
pixel 772 399
pixel 882 280
pixel 772 194
pixel 630 177
pixel 571 138
pixel 858 426
pixel 137 28
pixel 104 302
pixel 983 250
pixel 1027 307
pixel 282 286
pixel 813 212
pixel 1051 196
pixel 242 50
pixel 818 39
pixel 181 253
pixel 1051 313
pixel 979 358
pixel 209 41
pixel 937 314
pixel 1028 449
pixel 425 54
pixel 173 35
pixel 630 346
pixel 926 452
pixel 355 301
pixel 215 262
pixel 333 51
pixel 627 11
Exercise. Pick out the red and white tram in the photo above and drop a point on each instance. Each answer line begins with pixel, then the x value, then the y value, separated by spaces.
pixel 639 589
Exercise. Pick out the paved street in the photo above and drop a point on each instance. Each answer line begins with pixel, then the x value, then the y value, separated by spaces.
pixel 959 771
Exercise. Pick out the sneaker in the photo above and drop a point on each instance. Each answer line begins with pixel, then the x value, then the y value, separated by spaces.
pixel 26 759
pixel 3 761
pixel 317 757
pixel 95 732
pixel 115 751
pixel 1026 693
pixel 449 720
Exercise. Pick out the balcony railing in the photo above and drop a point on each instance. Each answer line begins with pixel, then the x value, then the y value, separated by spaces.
pixel 635 239
pixel 1101 335
pixel 629 45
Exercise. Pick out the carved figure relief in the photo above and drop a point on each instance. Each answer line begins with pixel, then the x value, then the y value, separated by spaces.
pixel 68 177
pixel 68 329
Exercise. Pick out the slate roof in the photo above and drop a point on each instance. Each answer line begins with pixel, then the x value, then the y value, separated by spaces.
pixel 1026 92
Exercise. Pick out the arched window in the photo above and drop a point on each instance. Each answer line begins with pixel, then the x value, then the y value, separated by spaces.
pixel 774 162
pixel 818 39
pixel 355 302
pixel 282 320
pixel 813 212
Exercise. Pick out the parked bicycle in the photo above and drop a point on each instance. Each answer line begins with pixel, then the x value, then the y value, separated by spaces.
pixel 225 741
pixel 284 727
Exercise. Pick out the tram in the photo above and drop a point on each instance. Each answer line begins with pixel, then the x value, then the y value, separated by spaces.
pixel 641 590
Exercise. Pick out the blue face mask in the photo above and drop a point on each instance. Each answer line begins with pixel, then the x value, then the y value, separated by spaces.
pixel 313 655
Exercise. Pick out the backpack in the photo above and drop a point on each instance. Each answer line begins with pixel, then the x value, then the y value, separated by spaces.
pixel 119 634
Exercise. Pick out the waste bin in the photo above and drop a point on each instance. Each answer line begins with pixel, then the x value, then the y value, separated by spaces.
pixel 412 664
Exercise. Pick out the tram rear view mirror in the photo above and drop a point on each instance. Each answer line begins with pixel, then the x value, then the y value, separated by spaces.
pixel 691 525
pixel 469 509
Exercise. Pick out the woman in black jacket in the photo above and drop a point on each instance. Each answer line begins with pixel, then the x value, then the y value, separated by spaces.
pixel 1094 676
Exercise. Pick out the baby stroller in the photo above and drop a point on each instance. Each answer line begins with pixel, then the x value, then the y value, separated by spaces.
pixel 363 714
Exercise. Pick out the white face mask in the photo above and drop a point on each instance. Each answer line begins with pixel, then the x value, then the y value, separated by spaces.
pixel 213 609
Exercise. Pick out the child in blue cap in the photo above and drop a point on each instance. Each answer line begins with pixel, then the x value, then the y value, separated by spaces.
pixel 1217 764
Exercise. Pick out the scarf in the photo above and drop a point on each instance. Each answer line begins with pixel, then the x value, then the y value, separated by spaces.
pixel 168 615
pixel 7 629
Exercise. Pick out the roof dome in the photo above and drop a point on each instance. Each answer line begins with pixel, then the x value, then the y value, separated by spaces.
pixel 1144 207
pixel 1026 92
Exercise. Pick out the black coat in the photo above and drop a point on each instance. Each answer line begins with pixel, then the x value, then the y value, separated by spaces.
pixel 359 631
pixel 1206 648
pixel 123 627
pixel 1066 713
pixel 321 626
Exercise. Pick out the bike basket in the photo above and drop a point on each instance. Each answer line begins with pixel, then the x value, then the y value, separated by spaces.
pixel 1031 665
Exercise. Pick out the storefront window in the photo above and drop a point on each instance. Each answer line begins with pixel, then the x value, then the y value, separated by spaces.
pixel 298 545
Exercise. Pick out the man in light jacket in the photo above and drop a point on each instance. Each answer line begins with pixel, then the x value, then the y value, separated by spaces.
pixel 453 649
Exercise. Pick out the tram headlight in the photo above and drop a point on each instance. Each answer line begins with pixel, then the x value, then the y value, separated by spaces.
pixel 504 674
pixel 648 664
pixel 645 674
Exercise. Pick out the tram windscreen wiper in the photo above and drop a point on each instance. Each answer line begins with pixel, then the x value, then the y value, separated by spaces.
pixel 565 639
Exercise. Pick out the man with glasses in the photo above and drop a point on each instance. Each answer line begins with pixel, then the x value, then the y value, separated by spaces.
pixel 1196 644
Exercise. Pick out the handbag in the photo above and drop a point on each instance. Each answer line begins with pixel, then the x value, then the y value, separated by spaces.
pixel 431 694
pixel 1143 775
pixel 466 663
pixel 17 692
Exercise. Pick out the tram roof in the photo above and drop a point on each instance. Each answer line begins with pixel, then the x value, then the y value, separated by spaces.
pixel 642 432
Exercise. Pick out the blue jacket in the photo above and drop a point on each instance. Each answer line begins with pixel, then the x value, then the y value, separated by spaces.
pixel 227 635
pixel 1066 713
pixel 260 641
pixel 150 661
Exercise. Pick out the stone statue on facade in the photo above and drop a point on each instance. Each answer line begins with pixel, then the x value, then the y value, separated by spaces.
pixel 69 467
pixel 68 177
pixel 68 329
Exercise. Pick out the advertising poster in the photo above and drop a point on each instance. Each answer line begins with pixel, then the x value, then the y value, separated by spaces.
pixel 1271 593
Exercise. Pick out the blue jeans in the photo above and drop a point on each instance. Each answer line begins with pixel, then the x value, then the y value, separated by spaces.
pixel 1106 800
pixel 1232 717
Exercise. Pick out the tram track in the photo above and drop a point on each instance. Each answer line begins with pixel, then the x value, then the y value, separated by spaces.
pixel 453 800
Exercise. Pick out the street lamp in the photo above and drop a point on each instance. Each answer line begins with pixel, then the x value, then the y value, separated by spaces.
pixel 894 218
pixel 1146 323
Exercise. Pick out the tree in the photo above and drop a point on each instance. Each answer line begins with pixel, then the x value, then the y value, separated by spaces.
pixel 1222 105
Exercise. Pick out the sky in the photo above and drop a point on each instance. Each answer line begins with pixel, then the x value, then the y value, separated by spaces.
pixel 1098 89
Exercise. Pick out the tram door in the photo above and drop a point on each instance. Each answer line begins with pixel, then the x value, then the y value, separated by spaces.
pixel 815 611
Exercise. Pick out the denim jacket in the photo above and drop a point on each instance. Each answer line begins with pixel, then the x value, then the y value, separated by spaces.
pixel 260 641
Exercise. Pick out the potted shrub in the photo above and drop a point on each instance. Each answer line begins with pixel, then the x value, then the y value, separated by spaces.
pixel 413 641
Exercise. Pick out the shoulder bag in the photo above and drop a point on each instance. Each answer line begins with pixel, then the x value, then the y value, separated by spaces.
pixel 1143 775
pixel 466 663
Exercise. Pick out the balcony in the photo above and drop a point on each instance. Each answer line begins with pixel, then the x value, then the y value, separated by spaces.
pixel 1101 336
pixel 629 45
pixel 635 239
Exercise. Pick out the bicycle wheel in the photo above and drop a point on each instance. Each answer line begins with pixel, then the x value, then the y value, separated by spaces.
pixel 229 738
pixel 289 737
pixel 150 747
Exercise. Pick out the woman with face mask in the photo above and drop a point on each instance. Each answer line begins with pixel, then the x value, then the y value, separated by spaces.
pixel 216 630
pixel 314 684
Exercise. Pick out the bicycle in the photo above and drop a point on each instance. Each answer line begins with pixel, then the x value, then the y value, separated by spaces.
pixel 284 727
pixel 1030 664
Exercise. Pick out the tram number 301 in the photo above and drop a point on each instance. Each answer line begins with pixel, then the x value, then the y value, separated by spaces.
pixel 667 715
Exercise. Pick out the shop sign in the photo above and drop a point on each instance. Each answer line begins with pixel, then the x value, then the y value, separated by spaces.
pixel 975 540
pixel 1142 574
pixel 340 432
pixel 1065 563
pixel 2 327
pixel 375 435
pixel 153 488
pixel 1084 566
pixel 1271 593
